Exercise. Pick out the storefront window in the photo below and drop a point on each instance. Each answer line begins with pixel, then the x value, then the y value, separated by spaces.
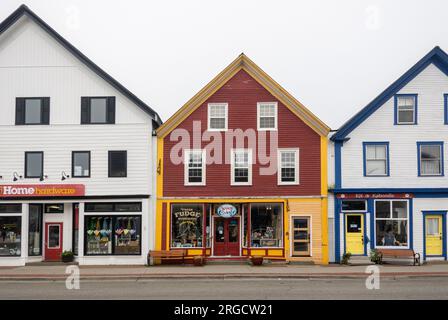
pixel 391 219
pixel 75 228
pixel 208 229
pixel 186 225
pixel 266 221
pixel 10 236
pixel 123 239
pixel 98 235
pixel 35 230
pixel 127 235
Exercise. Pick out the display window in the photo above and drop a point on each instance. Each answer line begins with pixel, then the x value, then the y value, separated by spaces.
pixel 187 225
pixel 391 223
pixel 10 236
pixel 35 230
pixel 266 225
pixel 113 235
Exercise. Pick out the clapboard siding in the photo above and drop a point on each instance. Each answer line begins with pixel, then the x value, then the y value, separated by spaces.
pixel 242 93
pixel 33 64
pixel 430 85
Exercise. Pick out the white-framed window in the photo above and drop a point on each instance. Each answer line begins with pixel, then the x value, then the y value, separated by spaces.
pixel 194 167
pixel 376 162
pixel 406 109
pixel 267 116
pixel 217 116
pixel 288 166
pixel 392 223
pixel 241 167
pixel 430 157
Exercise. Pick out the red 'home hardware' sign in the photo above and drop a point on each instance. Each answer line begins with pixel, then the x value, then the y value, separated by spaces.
pixel 49 190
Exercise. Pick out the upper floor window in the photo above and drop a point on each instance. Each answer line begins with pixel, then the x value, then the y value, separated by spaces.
pixel 81 164
pixel 241 167
pixel 376 159
pixel 406 109
pixel 267 116
pixel 288 172
pixel 34 164
pixel 97 110
pixel 430 158
pixel 445 103
pixel 118 164
pixel 217 116
pixel 31 111
pixel 194 167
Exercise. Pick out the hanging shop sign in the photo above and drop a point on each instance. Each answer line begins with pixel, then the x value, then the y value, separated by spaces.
pixel 48 190
pixel 375 195
pixel 226 211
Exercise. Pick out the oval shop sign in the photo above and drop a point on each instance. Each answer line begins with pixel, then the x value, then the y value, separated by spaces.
pixel 226 211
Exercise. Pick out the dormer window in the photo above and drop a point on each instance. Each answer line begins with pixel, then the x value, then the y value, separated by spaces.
pixel 406 109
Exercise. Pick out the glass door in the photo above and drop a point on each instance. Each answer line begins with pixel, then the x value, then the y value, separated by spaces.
pixel 53 241
pixel 301 236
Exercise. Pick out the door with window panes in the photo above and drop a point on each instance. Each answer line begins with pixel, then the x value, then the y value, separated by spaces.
pixel 301 236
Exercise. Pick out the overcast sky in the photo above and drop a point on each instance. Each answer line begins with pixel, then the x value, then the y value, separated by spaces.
pixel 333 56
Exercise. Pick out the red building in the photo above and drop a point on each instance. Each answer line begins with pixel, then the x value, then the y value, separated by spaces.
pixel 242 171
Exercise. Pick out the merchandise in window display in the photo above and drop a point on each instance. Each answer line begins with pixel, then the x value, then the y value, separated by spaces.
pixel 98 238
pixel 10 236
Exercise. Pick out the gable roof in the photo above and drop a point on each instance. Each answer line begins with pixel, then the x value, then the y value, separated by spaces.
pixel 242 62
pixel 24 10
pixel 436 56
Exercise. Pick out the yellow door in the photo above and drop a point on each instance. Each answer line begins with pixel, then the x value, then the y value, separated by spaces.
pixel 434 236
pixel 354 233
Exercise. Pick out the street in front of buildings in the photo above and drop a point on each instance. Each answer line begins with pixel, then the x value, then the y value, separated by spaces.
pixel 223 289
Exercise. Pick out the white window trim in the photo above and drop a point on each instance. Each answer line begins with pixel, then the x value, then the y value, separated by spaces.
pixel 279 168
pixel 187 152
pixel 232 167
pixel 226 107
pixel 413 115
pixel 276 116
pixel 440 174
pixel 397 219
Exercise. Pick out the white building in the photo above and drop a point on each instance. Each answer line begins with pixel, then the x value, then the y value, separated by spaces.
pixel 76 154
pixel 390 189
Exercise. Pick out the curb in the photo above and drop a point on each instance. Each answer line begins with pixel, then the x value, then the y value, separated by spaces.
pixel 137 277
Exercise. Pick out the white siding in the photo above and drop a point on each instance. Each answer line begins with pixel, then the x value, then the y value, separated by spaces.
pixel 430 85
pixel 33 64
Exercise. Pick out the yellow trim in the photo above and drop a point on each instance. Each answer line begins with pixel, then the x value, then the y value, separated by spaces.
pixel 243 62
pixel 324 192
pixel 160 166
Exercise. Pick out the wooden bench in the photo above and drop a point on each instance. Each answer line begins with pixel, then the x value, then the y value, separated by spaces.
pixel 399 254
pixel 170 255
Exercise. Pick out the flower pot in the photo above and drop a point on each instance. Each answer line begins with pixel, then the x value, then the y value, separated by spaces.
pixel 67 259
pixel 198 261
pixel 256 260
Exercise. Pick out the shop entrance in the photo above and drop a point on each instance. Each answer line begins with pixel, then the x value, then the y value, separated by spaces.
pixel 227 236
pixel 301 236
pixel 434 235
pixel 354 233
pixel 53 241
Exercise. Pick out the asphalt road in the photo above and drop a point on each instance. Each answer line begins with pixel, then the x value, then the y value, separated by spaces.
pixel 401 288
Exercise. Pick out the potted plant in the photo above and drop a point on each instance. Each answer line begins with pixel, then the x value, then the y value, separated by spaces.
pixel 256 260
pixel 375 256
pixel 67 256
pixel 346 258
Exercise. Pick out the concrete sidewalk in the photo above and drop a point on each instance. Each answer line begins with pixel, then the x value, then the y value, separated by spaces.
pixel 57 272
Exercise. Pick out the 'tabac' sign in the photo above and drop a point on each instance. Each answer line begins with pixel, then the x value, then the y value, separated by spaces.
pixel 48 190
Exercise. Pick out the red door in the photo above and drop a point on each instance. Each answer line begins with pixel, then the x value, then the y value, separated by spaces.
pixel 227 237
pixel 53 241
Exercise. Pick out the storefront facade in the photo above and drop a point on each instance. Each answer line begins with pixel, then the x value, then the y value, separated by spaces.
pixel 389 161
pixel 76 155
pixel 213 198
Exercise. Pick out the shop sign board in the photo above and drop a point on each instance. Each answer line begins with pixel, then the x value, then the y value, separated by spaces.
pixel 375 195
pixel 35 190
pixel 226 211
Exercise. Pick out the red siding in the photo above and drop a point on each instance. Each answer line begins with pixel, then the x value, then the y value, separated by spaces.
pixel 242 93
